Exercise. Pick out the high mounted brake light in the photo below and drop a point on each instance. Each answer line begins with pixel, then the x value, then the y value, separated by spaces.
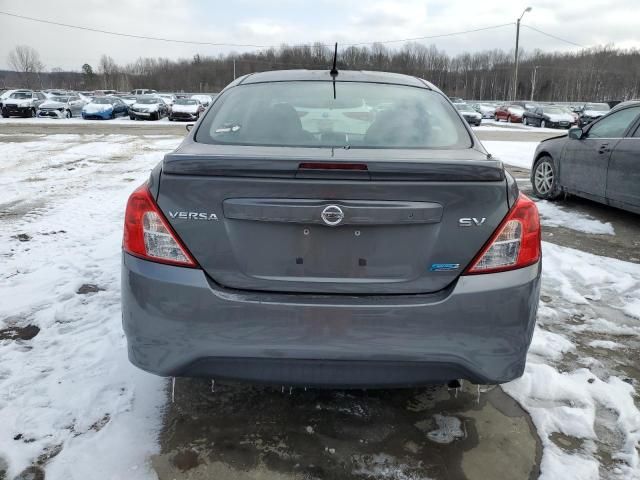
pixel 515 243
pixel 148 235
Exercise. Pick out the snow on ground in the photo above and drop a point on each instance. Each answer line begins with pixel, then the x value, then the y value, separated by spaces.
pixel 490 125
pixel 571 388
pixel 70 393
pixel 518 154
pixel 71 390
pixel 554 215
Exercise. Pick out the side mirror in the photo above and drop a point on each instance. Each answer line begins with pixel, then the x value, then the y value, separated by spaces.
pixel 576 133
pixel 188 126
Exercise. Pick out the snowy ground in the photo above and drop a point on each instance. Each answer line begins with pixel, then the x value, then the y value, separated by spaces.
pixel 71 403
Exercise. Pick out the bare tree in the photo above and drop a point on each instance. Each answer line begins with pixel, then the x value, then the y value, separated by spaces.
pixel 26 61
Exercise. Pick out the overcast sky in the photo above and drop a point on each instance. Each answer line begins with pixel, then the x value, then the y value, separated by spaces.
pixel 272 22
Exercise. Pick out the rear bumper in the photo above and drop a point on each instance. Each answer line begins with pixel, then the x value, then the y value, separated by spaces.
pixel 179 323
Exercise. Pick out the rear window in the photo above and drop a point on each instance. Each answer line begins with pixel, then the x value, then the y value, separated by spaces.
pixel 362 115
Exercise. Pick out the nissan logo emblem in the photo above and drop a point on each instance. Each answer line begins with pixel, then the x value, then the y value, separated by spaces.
pixel 332 215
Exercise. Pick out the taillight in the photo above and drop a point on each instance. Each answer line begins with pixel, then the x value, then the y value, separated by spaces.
pixel 148 235
pixel 515 243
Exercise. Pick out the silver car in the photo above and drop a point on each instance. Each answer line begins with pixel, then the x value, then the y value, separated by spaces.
pixel 66 106
pixel 274 246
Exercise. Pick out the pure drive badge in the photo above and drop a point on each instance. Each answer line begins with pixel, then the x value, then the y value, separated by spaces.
pixel 193 215
pixel 444 267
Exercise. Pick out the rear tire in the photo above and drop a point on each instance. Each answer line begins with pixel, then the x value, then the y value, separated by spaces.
pixel 544 179
pixel 5 113
pixel 496 118
pixel 68 114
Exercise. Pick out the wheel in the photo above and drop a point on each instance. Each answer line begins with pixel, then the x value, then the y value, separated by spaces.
pixel 543 124
pixel 496 118
pixel 68 114
pixel 170 119
pixel 544 180
pixel 131 117
pixel 5 113
pixel 525 121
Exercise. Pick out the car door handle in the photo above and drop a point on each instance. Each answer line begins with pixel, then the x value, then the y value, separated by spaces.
pixel 604 148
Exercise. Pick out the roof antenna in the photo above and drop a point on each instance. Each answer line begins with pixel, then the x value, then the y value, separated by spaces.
pixel 334 69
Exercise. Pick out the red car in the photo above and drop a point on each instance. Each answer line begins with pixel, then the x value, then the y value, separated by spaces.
pixel 509 113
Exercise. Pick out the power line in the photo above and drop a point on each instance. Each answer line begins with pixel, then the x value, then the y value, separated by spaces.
pixel 120 34
pixel 239 45
pixel 553 36
pixel 428 37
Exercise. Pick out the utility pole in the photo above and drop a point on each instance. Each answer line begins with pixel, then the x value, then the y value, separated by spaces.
pixel 515 74
pixel 234 68
pixel 533 81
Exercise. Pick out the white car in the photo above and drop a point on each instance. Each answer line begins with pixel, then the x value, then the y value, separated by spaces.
pixel 128 99
pixel 63 106
pixel 204 99
pixel 186 109
pixel 168 98
pixel 485 109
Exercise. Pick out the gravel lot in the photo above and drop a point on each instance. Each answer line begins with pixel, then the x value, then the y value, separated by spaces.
pixel 71 405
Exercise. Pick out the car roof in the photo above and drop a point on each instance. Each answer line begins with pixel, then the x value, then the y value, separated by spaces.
pixel 343 76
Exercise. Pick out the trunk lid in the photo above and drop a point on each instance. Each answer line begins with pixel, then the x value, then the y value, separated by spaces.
pixel 253 216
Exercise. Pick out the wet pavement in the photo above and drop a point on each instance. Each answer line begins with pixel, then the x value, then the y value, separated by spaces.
pixel 254 432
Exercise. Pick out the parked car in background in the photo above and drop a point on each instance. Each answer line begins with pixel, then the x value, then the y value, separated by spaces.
pixel 65 106
pixel 149 107
pixel 527 106
pixel 599 162
pixel 186 109
pixel 22 103
pixel 456 100
pixel 510 113
pixel 487 110
pixel 104 108
pixel 168 98
pixel 568 109
pixel 470 115
pixel 590 112
pixel 258 251
pixel 103 93
pixel 143 91
pixel 548 117
pixel 128 99
pixel 204 99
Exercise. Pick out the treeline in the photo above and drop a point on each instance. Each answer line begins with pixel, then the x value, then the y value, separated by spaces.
pixel 597 74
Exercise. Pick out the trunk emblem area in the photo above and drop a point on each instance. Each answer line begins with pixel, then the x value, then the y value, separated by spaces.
pixel 332 215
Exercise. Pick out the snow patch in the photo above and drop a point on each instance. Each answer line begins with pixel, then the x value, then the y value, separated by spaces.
pixel 555 216
pixel 518 154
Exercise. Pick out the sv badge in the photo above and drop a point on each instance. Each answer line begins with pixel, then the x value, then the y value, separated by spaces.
pixel 471 222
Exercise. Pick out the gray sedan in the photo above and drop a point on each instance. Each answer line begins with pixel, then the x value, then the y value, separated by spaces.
pixel 600 162
pixel 344 248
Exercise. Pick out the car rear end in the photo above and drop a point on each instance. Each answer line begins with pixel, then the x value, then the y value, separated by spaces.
pixel 272 250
